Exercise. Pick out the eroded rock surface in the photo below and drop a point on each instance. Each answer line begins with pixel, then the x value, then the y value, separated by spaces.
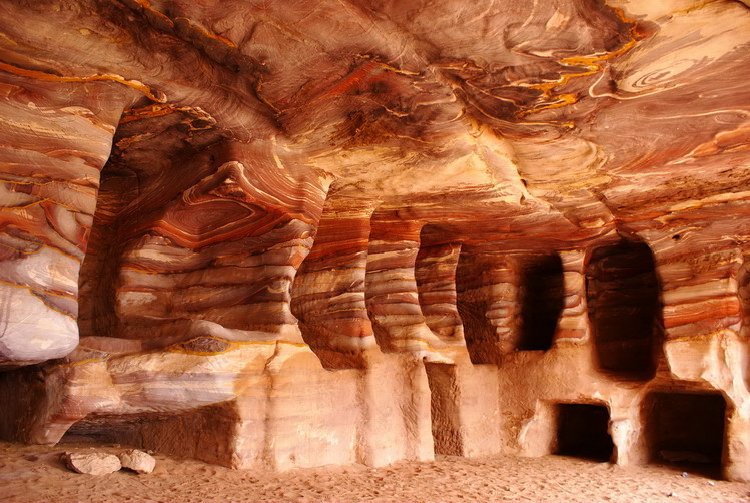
pixel 272 234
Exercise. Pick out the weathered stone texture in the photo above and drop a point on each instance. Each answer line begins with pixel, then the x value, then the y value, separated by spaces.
pixel 273 234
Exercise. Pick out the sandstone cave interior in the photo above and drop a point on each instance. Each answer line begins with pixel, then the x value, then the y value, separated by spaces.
pixel 288 235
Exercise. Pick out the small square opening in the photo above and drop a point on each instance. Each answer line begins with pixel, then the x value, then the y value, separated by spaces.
pixel 686 429
pixel 583 431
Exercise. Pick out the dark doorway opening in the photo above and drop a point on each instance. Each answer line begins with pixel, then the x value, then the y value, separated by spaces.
pixel 625 310
pixel 542 298
pixel 583 431
pixel 686 430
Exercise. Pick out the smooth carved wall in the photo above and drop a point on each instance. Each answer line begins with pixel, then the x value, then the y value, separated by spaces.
pixel 271 235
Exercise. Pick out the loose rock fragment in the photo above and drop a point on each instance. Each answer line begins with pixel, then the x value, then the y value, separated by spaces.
pixel 138 461
pixel 92 463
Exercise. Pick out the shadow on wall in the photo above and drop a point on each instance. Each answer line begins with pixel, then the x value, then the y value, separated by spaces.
pixel 542 298
pixel 474 279
pixel 509 303
pixel 625 309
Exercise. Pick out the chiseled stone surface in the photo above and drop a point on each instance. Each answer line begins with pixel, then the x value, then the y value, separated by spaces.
pixel 267 234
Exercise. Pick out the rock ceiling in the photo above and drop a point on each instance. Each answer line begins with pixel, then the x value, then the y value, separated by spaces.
pixel 532 120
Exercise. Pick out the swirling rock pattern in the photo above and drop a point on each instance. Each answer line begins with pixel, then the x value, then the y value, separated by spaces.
pixel 55 139
pixel 329 288
pixel 335 232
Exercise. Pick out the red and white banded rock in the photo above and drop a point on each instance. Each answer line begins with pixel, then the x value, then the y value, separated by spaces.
pixel 55 137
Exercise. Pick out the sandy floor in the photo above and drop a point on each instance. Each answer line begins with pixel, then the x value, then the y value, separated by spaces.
pixel 35 473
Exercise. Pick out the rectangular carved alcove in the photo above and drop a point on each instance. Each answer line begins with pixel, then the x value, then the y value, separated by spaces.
pixel 541 299
pixel 583 431
pixel 624 308
pixel 686 429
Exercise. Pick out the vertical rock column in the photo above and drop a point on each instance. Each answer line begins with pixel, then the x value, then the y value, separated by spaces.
pixel 574 326
pixel 465 412
pixel 435 274
pixel 626 424
pixel 391 287
pixel 501 286
pixel 395 384
pixel 487 287
pixel 412 299
pixel 54 139
pixel 328 297
pixel 329 300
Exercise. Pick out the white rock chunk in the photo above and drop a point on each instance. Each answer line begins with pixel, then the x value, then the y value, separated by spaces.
pixel 138 461
pixel 92 463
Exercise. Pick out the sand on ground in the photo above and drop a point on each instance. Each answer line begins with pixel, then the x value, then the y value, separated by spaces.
pixel 36 474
